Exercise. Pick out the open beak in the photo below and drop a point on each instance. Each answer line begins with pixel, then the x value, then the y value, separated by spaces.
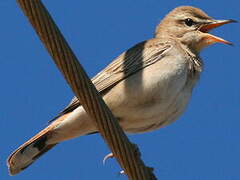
pixel 212 25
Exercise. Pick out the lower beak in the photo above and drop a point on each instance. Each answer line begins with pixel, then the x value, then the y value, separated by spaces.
pixel 212 25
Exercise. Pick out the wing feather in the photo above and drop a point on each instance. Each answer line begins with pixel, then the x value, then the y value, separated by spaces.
pixel 136 58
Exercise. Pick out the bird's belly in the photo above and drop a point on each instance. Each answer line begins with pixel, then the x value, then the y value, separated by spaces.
pixel 142 102
pixel 152 100
pixel 156 115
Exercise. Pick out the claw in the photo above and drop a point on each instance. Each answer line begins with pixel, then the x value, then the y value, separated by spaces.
pixel 122 172
pixel 110 155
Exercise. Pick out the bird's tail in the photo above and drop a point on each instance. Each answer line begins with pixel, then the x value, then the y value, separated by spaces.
pixel 30 151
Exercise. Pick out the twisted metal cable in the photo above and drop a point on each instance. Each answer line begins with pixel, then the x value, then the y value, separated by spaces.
pixel 126 153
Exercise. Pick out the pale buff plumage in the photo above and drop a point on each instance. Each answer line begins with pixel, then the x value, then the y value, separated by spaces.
pixel 146 87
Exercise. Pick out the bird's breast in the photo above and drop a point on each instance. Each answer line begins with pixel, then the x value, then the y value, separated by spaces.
pixel 152 97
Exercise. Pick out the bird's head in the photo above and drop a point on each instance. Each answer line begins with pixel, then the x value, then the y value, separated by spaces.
pixel 190 26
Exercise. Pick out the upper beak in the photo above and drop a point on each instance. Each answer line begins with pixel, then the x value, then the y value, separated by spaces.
pixel 205 28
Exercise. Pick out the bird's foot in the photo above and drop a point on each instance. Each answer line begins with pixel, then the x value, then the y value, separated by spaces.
pixel 108 156
pixel 122 173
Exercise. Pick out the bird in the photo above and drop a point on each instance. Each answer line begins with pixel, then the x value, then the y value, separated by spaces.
pixel 146 87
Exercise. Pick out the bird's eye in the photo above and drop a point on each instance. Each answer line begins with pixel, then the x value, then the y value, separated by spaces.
pixel 189 22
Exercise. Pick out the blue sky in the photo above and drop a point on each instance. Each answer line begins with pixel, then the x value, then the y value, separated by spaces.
pixel 202 144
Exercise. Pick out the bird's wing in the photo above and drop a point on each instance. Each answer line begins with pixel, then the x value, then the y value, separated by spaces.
pixel 136 58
